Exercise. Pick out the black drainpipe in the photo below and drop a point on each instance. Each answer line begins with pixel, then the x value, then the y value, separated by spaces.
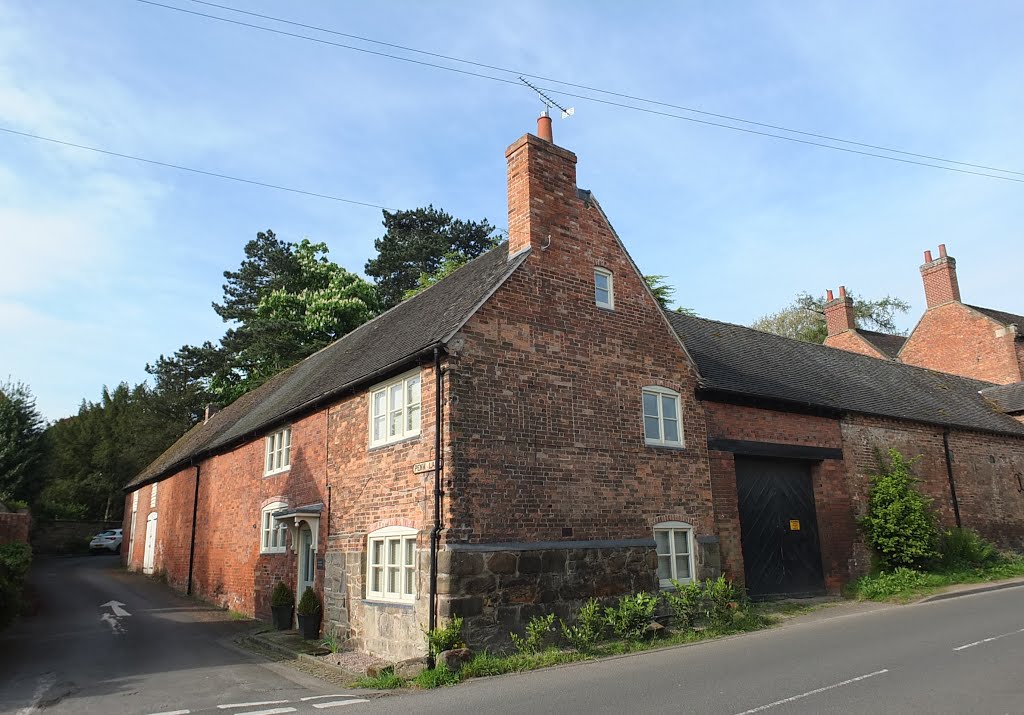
pixel 192 545
pixel 435 534
pixel 949 473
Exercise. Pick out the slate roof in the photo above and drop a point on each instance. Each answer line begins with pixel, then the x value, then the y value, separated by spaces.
pixel 747 362
pixel 886 343
pixel 389 341
pixel 1006 398
pixel 1001 316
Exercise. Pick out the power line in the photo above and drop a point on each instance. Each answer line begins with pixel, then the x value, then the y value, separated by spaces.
pixel 566 84
pixel 204 172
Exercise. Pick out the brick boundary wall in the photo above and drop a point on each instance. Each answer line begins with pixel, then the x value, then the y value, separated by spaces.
pixel 14 527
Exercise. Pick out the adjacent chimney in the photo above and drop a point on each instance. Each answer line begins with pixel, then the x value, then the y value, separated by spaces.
pixel 939 276
pixel 541 190
pixel 839 314
pixel 211 410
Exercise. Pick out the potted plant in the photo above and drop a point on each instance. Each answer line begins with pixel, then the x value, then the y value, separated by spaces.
pixel 282 603
pixel 309 614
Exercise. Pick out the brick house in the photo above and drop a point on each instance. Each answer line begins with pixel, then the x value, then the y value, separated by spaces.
pixel 534 430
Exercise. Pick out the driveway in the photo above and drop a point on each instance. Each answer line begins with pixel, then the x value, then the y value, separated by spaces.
pixel 105 641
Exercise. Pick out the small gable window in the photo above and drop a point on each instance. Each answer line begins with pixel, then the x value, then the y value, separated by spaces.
pixel 604 292
pixel 272 531
pixel 395 410
pixel 662 423
pixel 391 564
pixel 279 452
pixel 152 495
pixel 674 542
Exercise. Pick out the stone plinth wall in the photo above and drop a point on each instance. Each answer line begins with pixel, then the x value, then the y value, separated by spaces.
pixel 498 588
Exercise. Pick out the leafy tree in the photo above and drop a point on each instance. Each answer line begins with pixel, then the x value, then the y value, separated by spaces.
pixel 899 524
pixel 417 243
pixel 449 264
pixel 21 428
pixel 804 318
pixel 663 293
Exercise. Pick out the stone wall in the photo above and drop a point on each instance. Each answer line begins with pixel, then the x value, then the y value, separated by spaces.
pixel 14 526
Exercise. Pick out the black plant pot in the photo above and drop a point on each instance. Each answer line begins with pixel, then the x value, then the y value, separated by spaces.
pixel 282 617
pixel 310 626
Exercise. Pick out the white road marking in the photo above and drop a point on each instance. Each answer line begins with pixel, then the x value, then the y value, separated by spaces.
pixel 336 703
pixel 272 711
pixel 173 712
pixel 114 623
pixel 987 640
pixel 46 682
pixel 814 692
pixel 116 607
pixel 321 697
pixel 251 705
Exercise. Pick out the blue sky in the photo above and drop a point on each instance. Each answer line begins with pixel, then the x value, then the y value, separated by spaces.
pixel 109 263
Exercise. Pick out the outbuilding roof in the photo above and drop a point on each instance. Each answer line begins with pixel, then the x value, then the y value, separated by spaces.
pixel 886 343
pixel 744 362
pixel 392 340
pixel 1007 398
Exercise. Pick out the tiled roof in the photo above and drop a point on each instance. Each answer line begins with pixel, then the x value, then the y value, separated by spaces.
pixel 389 341
pixel 1007 398
pixel 888 344
pixel 747 362
pixel 1001 316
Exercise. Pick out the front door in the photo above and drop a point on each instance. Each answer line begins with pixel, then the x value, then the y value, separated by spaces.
pixel 149 554
pixel 307 559
pixel 778 528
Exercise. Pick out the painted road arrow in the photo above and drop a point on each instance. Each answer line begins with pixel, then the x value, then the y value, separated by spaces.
pixel 116 606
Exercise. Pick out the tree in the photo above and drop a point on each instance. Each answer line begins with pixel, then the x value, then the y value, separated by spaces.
pixel 899 524
pixel 449 264
pixel 21 428
pixel 804 318
pixel 416 243
pixel 663 293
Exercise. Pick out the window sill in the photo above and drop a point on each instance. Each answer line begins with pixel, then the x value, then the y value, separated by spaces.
pixel 658 445
pixel 399 605
pixel 276 552
pixel 277 472
pixel 385 445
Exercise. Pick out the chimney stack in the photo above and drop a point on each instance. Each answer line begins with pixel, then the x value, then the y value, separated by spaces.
pixel 839 314
pixel 211 410
pixel 541 190
pixel 939 276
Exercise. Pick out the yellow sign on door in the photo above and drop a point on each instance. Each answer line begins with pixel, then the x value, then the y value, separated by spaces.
pixel 794 525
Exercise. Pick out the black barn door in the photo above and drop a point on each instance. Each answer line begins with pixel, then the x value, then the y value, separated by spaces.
pixel 778 528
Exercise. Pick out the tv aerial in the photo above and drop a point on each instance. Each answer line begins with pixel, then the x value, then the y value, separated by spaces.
pixel 548 102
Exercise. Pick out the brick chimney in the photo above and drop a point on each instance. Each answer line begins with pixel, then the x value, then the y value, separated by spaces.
pixel 541 189
pixel 939 276
pixel 839 314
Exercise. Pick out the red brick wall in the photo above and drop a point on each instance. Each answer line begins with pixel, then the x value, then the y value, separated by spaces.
pixel 14 526
pixel 851 341
pixel 548 421
pixel 955 339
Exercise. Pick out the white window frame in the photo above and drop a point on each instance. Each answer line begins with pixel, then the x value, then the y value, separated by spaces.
pixel 671 528
pixel 660 393
pixel 409 412
pixel 381 568
pixel 152 495
pixel 605 273
pixel 273 539
pixel 277 452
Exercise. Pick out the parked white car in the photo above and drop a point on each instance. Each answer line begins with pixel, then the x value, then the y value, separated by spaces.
pixel 109 540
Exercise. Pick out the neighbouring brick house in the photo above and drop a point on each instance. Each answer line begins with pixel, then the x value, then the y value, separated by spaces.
pixel 534 430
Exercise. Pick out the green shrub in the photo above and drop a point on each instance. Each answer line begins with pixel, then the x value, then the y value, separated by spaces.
pixel 886 585
pixel 963 549
pixel 686 602
pixel 332 642
pixel 538 629
pixel 587 629
pixel 630 618
pixel 899 524
pixel 282 595
pixel 309 604
pixel 15 560
pixel 723 600
pixel 438 677
pixel 387 680
pixel 446 638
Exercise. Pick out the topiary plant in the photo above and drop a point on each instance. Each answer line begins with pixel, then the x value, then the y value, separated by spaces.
pixel 309 604
pixel 899 524
pixel 282 595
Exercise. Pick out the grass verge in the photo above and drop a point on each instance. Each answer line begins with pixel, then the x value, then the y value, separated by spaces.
pixel 903 584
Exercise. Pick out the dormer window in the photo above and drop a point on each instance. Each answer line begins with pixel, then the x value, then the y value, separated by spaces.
pixel 604 293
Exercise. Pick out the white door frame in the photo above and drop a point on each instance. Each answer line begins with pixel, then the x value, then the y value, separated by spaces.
pixel 306 575
pixel 149 554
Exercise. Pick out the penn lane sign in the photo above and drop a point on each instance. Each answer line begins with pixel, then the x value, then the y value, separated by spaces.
pixel 421 467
